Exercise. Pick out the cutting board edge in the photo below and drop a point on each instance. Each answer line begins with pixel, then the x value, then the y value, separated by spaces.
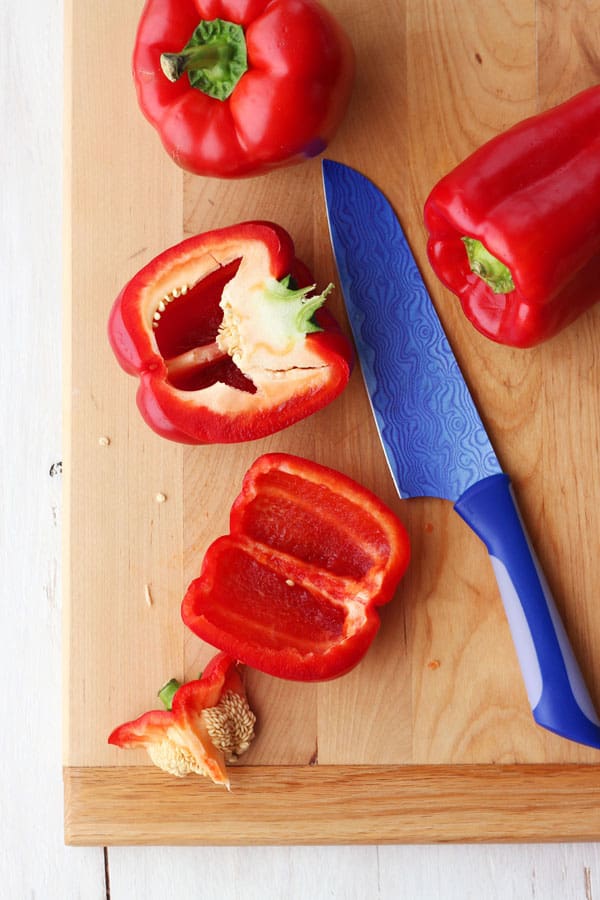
pixel 67 258
pixel 334 805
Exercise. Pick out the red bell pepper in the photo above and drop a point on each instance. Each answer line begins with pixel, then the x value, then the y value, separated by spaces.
pixel 265 82
pixel 292 590
pixel 515 228
pixel 207 723
pixel 227 341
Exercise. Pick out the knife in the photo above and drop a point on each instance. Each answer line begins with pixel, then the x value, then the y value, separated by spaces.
pixel 435 442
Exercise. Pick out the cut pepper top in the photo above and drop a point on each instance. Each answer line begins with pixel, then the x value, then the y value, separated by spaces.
pixel 207 723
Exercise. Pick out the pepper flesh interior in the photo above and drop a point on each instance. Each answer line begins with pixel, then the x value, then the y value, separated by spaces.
pixel 259 596
pixel 229 326
pixel 313 523
pixel 186 334
pixel 296 565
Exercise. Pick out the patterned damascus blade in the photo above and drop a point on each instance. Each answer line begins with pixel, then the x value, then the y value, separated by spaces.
pixel 431 432
pixel 435 442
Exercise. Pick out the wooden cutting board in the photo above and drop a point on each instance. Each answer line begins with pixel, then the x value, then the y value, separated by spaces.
pixel 430 738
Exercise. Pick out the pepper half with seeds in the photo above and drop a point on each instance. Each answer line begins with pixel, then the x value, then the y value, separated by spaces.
pixel 227 337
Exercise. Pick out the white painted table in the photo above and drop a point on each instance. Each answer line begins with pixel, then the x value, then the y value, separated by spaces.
pixel 33 859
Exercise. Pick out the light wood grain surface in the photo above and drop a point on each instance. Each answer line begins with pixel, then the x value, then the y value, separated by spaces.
pixel 33 859
pixel 441 684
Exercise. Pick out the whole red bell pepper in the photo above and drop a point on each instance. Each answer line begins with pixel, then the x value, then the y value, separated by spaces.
pixel 227 339
pixel 292 590
pixel 514 230
pixel 239 87
pixel 207 723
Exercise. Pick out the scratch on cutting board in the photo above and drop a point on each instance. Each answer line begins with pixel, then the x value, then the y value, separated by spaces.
pixel 587 880
pixel 147 595
pixel 137 253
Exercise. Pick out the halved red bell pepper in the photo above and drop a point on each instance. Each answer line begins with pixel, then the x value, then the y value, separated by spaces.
pixel 239 87
pixel 515 228
pixel 292 590
pixel 207 723
pixel 227 339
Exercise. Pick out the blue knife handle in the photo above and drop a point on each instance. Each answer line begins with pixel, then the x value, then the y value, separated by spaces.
pixel 557 693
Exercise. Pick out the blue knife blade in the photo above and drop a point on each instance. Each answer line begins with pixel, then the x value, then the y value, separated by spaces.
pixel 434 440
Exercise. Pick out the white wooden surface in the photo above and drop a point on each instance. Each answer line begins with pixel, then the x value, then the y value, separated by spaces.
pixel 33 860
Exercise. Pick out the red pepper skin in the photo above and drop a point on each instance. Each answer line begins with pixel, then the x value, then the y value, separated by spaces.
pixel 181 724
pixel 532 196
pixel 285 108
pixel 221 403
pixel 293 589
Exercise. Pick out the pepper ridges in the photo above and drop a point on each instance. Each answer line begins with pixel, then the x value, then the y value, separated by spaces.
pixel 249 87
pixel 293 589
pixel 530 197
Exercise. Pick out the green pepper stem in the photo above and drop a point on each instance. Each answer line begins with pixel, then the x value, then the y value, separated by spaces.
pixel 193 59
pixel 487 267
pixel 214 58
pixel 168 691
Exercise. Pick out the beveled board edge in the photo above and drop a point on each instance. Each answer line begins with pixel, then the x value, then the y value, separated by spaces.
pixel 274 805
pixel 66 356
